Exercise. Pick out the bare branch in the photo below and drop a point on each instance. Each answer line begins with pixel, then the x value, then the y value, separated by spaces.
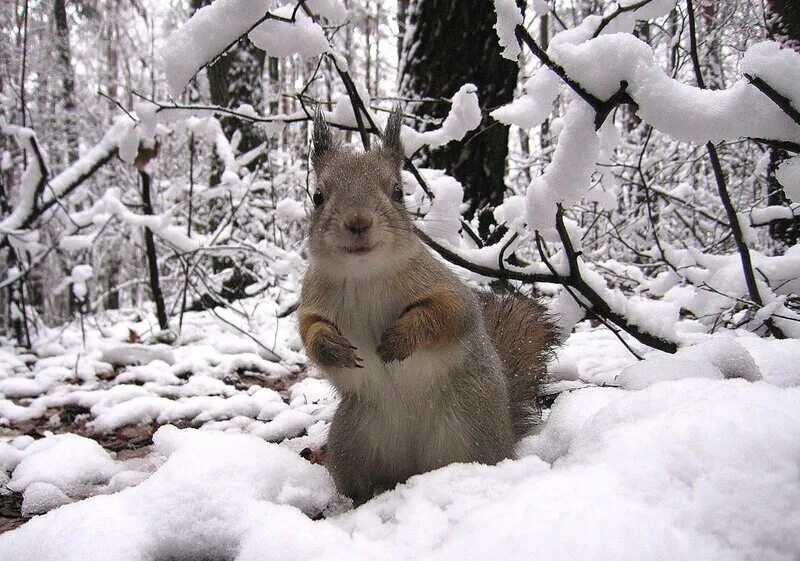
pixel 781 101
pixel 616 13
pixel 722 189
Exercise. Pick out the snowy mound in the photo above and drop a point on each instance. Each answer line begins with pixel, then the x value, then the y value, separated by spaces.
pixel 688 469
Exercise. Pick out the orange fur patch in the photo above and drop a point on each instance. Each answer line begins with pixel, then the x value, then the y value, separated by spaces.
pixel 310 327
pixel 435 320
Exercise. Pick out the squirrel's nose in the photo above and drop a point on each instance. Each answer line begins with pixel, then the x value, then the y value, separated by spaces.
pixel 358 224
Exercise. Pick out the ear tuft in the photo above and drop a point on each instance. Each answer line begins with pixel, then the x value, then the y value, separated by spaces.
pixel 391 137
pixel 322 138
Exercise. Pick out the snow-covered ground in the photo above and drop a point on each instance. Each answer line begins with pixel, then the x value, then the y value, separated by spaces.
pixel 192 451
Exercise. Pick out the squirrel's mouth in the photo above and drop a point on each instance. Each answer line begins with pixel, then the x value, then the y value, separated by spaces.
pixel 358 249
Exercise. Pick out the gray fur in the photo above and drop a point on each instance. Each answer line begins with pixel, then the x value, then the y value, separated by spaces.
pixel 391 137
pixel 442 404
pixel 524 337
pixel 322 140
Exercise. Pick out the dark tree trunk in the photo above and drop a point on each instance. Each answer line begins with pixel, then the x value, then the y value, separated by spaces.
pixel 402 11
pixel 273 67
pixel 783 25
pixel 67 94
pixel 152 258
pixel 448 43
pixel 235 79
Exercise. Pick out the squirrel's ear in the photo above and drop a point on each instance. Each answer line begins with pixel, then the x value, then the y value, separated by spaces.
pixel 322 138
pixel 391 136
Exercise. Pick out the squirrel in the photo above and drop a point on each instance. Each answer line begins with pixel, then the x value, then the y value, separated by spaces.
pixel 429 371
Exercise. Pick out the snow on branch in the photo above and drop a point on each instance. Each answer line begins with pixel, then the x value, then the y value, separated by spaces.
pixel 213 30
pixel 684 112
pixel 160 225
pixel 627 12
pixel 33 179
pixel 508 18
pixel 604 71
pixel 594 70
pixel 464 116
pixel 764 216
pixel 568 175
pixel 54 189
pixel 774 71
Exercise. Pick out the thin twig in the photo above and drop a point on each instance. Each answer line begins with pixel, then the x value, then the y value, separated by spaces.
pixel 781 101
pixel 616 13
pixel 722 189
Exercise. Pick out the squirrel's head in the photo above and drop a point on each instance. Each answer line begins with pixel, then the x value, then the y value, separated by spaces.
pixel 359 218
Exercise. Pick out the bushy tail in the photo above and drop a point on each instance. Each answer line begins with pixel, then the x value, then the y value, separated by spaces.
pixel 524 337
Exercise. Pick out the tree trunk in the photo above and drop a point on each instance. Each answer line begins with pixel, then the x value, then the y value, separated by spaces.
pixel 368 46
pixel 544 42
pixel 67 93
pixel 110 35
pixel 402 12
pixel 783 25
pixel 152 258
pixel 236 79
pixel 448 43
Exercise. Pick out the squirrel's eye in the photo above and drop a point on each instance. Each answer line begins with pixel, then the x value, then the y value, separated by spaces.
pixel 318 198
pixel 397 194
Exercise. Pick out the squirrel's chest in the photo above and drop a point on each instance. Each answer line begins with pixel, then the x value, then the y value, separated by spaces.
pixel 362 315
pixel 363 312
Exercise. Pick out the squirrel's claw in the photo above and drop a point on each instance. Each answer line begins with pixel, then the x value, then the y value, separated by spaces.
pixel 392 347
pixel 336 351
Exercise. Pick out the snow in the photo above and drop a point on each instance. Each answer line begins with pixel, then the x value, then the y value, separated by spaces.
pixel 684 112
pixel 129 145
pixel 212 491
pixel 122 354
pixel 41 497
pixel 657 369
pixel 464 116
pixel 542 88
pixel 511 212
pixel 659 468
pixel 59 185
pixel 535 105
pixel 206 34
pixel 540 7
pixel 722 275
pixel 290 210
pixel 625 22
pixel 81 461
pixel 764 215
pixel 281 39
pixel 332 10
pixel 788 175
pixel 80 274
pixel 777 66
pixel 76 242
pixel 442 218
pixel 160 225
pixel 31 177
pixel 508 18
pixel 343 112
pixel 677 470
pixel 568 174
pixel 212 28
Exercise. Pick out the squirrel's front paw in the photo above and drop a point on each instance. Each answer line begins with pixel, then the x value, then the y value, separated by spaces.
pixel 394 345
pixel 333 350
